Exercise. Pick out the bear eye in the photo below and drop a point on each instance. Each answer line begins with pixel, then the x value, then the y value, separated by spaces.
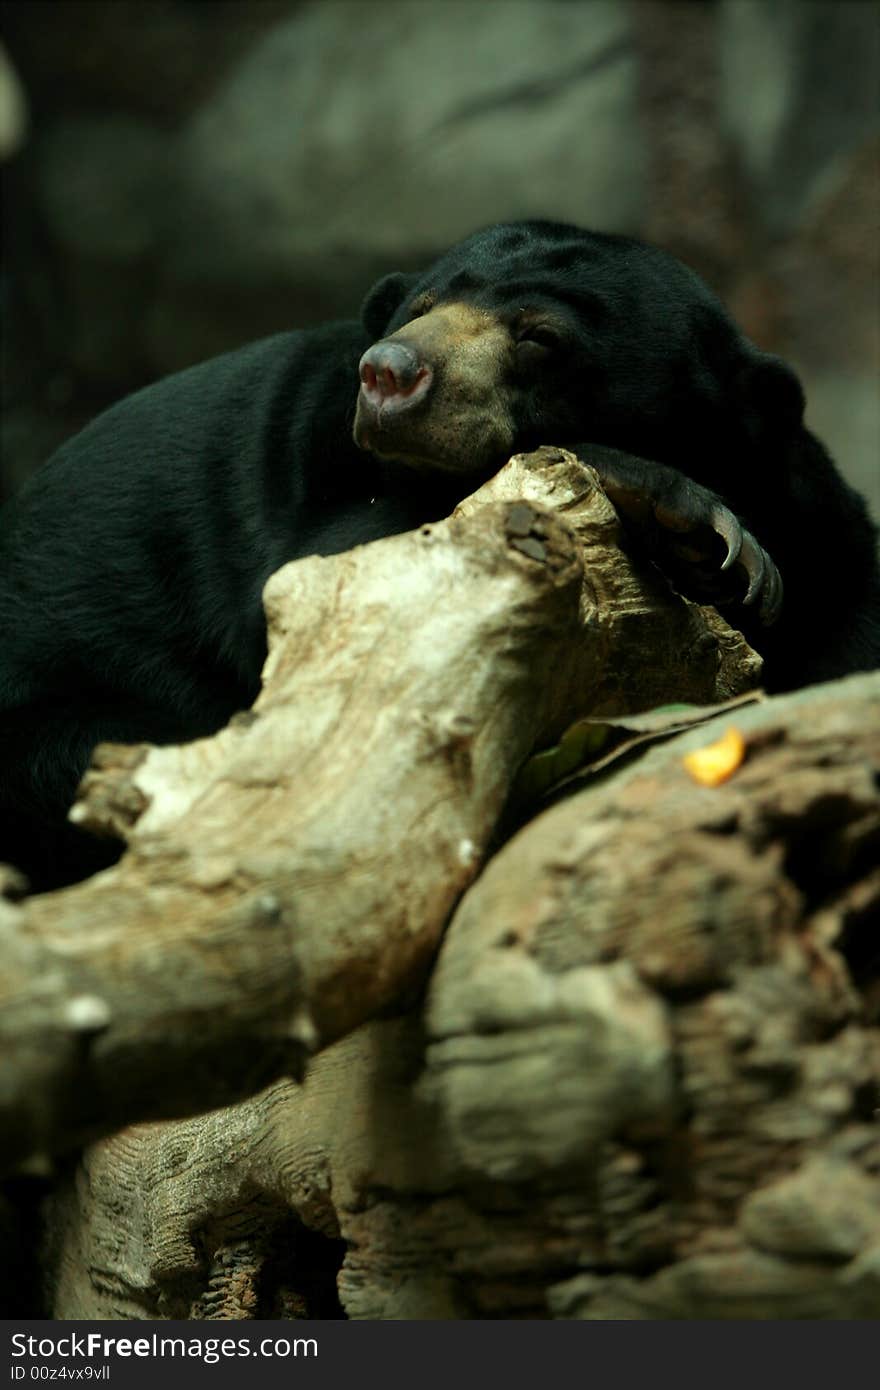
pixel 536 347
pixel 539 335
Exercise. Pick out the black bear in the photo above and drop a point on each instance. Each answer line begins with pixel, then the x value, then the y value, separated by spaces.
pixel 132 564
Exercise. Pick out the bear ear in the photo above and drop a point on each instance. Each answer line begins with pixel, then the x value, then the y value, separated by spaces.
pixel 383 301
pixel 771 395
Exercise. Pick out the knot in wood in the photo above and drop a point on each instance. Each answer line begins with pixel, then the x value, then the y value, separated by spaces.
pixel 539 535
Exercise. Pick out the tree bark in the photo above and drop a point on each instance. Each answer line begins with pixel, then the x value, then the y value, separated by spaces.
pixel 289 879
pixel 643 1084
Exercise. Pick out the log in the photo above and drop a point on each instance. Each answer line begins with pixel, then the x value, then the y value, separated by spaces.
pixel 643 1084
pixel 290 878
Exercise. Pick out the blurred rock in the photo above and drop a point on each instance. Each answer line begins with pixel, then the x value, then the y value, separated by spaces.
pixel 350 142
pixel 386 138
pixel 798 89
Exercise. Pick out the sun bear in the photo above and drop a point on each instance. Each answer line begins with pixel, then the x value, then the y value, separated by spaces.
pixel 132 563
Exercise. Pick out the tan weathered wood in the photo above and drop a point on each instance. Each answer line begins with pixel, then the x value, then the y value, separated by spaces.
pixel 290 878
pixel 643 1083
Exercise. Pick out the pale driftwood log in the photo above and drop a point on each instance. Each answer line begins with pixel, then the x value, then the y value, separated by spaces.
pixel 644 1082
pixel 290 878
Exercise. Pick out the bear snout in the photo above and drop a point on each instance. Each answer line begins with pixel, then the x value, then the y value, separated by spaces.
pixel 392 376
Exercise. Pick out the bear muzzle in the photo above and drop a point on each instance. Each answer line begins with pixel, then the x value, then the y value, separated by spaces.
pixel 393 378
pixel 433 394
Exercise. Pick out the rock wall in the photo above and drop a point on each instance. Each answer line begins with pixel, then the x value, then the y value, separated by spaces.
pixel 198 175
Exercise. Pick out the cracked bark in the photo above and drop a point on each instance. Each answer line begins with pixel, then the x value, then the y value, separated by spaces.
pixel 643 1081
pixel 289 878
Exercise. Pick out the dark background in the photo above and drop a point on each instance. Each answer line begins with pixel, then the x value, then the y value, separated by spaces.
pixel 181 176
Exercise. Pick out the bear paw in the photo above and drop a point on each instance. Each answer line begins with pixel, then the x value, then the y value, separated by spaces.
pixel 691 535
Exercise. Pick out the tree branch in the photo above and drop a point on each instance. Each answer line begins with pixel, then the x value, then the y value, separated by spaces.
pixel 290 878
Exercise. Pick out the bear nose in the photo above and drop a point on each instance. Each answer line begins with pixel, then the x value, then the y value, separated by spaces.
pixel 391 370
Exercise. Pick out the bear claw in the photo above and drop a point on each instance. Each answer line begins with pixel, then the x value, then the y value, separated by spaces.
pixel 764 579
pixel 646 494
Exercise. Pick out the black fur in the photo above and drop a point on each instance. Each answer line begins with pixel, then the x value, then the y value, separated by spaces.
pixel 132 564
